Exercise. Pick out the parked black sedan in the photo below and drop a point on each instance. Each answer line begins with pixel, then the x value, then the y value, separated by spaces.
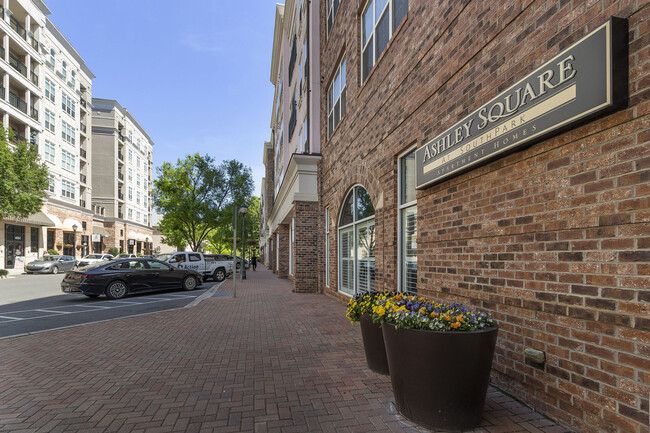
pixel 117 278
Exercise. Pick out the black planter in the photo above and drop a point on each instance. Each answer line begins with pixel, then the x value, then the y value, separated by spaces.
pixel 373 345
pixel 440 379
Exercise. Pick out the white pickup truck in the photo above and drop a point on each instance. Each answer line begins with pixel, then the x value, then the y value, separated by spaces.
pixel 218 270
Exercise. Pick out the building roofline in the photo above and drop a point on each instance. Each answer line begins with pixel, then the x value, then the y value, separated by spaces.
pixel 98 102
pixel 277 42
pixel 68 46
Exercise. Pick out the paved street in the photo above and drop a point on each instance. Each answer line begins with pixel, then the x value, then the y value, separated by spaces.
pixel 268 360
pixel 25 287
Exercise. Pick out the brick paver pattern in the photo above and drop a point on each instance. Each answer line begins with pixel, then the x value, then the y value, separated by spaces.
pixel 267 361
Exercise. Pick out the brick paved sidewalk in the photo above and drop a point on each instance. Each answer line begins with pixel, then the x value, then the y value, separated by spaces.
pixel 268 361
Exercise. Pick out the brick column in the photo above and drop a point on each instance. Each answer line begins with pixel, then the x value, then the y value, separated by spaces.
pixel 270 260
pixel 307 251
pixel 283 268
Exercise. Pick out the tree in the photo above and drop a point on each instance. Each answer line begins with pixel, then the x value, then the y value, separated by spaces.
pixel 193 195
pixel 23 178
pixel 220 239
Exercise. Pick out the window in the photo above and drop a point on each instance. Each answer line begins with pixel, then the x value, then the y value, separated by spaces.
pixel 379 20
pixel 137 164
pixel 34 239
pixel 64 70
pixel 52 185
pixel 67 132
pixel 67 104
pixel 50 89
pixel 137 216
pixel 407 219
pixel 49 120
pixel 336 99
pixel 52 61
pixel 303 138
pixel 327 246
pixel 145 199
pixel 68 160
pixel 72 78
pixel 130 213
pixel 67 189
pixel 292 238
pixel 194 257
pixel 332 7
pixel 144 218
pixel 357 243
pixel 50 150
pixel 130 193
pixel 137 197
pixel 130 174
pixel 138 180
pixel 130 155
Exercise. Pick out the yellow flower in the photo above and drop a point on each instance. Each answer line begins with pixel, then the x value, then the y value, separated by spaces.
pixel 455 325
pixel 447 318
pixel 380 311
pixel 434 314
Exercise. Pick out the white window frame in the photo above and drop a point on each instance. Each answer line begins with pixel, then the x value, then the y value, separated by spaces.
pixel 354 225
pixel 50 90
pixel 327 246
pixel 68 133
pixel 333 100
pixel 52 185
pixel 400 223
pixel 50 151
pixel 52 60
pixel 50 120
pixel 68 161
pixel 372 38
pixel 67 104
pixel 67 189
pixel 332 9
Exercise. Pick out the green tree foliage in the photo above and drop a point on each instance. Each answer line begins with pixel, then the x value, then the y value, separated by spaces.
pixel 23 177
pixel 193 195
pixel 220 239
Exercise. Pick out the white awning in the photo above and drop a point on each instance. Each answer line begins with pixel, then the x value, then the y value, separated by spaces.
pixel 101 231
pixel 69 222
pixel 138 236
pixel 37 219
pixel 56 222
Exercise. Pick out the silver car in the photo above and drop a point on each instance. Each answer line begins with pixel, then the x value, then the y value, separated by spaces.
pixel 93 258
pixel 51 264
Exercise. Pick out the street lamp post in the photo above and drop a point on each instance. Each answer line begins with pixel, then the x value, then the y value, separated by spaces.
pixel 146 245
pixel 234 250
pixel 74 240
pixel 243 210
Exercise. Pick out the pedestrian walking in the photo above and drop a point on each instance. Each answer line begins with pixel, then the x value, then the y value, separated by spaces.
pixel 254 262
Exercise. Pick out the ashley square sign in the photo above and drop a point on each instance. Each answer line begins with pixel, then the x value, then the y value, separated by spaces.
pixel 587 79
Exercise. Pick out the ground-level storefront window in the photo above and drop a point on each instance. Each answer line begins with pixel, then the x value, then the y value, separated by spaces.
pixel 408 215
pixel 357 243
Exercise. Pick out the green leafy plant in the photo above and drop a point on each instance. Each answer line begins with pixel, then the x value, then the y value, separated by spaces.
pixel 113 251
pixel 363 303
pixel 3 273
pixel 52 252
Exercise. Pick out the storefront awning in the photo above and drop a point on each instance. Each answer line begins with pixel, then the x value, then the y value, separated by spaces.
pixel 101 231
pixel 38 219
pixel 69 222
pixel 138 236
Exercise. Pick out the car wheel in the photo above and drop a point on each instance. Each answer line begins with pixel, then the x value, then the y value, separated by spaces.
pixel 219 275
pixel 190 283
pixel 55 270
pixel 91 296
pixel 238 265
pixel 116 290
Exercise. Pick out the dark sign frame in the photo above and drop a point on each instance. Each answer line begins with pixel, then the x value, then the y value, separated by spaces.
pixel 586 80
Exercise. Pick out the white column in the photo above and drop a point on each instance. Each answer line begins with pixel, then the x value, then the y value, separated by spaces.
pixel 5 84
pixel 5 44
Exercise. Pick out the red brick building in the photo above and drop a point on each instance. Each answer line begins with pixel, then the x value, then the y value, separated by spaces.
pixel 552 237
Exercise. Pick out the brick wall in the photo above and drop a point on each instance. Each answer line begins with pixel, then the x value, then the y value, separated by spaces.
pixel 306 247
pixel 283 243
pixel 554 240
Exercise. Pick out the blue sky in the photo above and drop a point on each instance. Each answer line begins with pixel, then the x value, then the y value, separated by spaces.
pixel 194 73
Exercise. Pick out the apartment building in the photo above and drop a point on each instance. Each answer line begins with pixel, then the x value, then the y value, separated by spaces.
pixel 122 161
pixel 44 84
pixel 291 185
pixel 497 154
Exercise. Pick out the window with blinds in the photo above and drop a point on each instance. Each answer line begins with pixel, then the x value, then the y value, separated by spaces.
pixel 408 216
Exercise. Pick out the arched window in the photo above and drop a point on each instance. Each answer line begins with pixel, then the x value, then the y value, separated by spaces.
pixel 357 243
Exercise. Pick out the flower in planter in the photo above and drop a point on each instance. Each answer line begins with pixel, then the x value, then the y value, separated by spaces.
pixel 363 303
pixel 413 312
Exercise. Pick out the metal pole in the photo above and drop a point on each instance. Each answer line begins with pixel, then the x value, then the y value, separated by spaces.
pixel 234 253
pixel 243 246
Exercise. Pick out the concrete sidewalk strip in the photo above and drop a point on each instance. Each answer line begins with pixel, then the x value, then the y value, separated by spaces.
pixel 267 361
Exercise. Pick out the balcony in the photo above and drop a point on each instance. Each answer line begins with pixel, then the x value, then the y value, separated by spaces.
pixel 120 176
pixel 34 113
pixel 18 28
pixel 82 153
pixel 82 203
pixel 2 92
pixel 2 52
pixel 120 156
pixel 120 215
pixel 82 177
pixel 33 77
pixel 34 43
pixel 17 102
pixel 83 102
pixel 120 195
pixel 18 65
pixel 83 127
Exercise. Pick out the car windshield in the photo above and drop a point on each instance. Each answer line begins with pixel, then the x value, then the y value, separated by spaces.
pixel 163 257
pixel 93 256
pixel 48 259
